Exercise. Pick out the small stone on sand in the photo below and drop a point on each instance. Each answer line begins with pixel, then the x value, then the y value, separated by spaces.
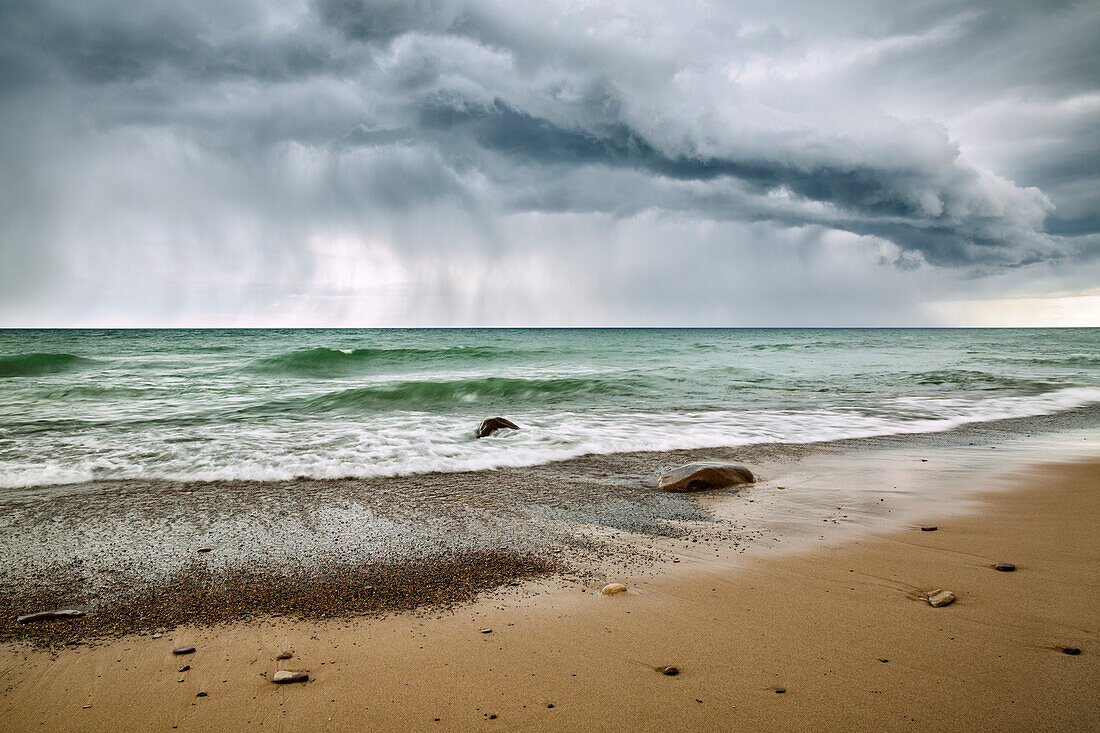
pixel 486 631
pixel 185 667
pixel 1004 567
pixel 184 650
pixel 670 671
pixel 612 588
pixel 939 598
pixel 284 655
pixel 283 677
pixel 780 690
pixel 929 528
pixel 1071 650
pixel 201 694
pixel 206 549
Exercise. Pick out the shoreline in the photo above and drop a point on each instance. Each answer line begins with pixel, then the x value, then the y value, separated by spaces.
pixel 610 519
pixel 815 621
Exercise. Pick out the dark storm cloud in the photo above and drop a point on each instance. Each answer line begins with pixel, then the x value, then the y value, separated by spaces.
pixel 210 133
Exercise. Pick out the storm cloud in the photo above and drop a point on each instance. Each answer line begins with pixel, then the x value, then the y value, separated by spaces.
pixel 365 162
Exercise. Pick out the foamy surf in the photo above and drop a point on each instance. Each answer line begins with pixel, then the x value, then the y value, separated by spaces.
pixel 421 442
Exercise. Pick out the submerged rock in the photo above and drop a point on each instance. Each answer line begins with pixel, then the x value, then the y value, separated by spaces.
pixel 49 615
pixel 284 677
pixel 704 476
pixel 612 588
pixel 939 598
pixel 493 424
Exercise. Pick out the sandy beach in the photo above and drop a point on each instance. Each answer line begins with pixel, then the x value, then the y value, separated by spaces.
pixel 837 623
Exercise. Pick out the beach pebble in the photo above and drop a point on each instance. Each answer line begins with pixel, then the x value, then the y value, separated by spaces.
pixel 284 655
pixel 201 694
pixel 49 615
pixel 704 476
pixel 1004 567
pixel 205 549
pixel 780 690
pixel 184 650
pixel 670 671
pixel 486 631
pixel 929 528
pixel 283 677
pixel 612 588
pixel 939 598
pixel 1071 650
pixel 185 667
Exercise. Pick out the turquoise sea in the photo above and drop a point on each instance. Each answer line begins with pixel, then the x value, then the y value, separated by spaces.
pixel 277 404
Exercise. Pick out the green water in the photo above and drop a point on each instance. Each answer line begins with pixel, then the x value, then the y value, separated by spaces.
pixel 274 404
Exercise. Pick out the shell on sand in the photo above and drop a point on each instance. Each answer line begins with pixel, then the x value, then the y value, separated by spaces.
pixel 612 588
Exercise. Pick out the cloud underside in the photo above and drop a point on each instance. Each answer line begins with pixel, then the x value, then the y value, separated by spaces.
pixel 210 137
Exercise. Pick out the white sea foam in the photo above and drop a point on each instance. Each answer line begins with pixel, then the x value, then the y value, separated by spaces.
pixel 416 442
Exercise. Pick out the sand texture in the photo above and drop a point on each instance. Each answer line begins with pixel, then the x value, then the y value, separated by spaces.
pixel 841 628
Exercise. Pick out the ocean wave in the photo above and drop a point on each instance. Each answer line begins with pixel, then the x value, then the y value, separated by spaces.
pixel 401 444
pixel 323 361
pixel 430 394
pixel 1085 360
pixel 974 379
pixel 29 365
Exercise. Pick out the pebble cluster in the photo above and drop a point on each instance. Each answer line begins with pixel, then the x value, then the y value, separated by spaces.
pixel 211 595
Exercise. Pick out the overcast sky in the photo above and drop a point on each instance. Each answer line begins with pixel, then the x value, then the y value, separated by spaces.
pixel 451 163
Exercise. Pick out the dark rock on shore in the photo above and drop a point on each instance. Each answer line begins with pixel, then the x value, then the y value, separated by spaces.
pixel 184 650
pixel 1004 567
pixel 705 476
pixel 493 424
pixel 284 655
pixel 670 671
pixel 49 615
pixel 929 528
pixel 1071 650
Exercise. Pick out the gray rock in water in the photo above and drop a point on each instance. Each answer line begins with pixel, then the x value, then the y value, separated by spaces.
pixel 49 615
pixel 493 424
pixel 283 677
pixel 704 476
pixel 939 598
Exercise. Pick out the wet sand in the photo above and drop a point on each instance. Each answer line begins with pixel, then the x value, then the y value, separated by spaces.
pixel 812 614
